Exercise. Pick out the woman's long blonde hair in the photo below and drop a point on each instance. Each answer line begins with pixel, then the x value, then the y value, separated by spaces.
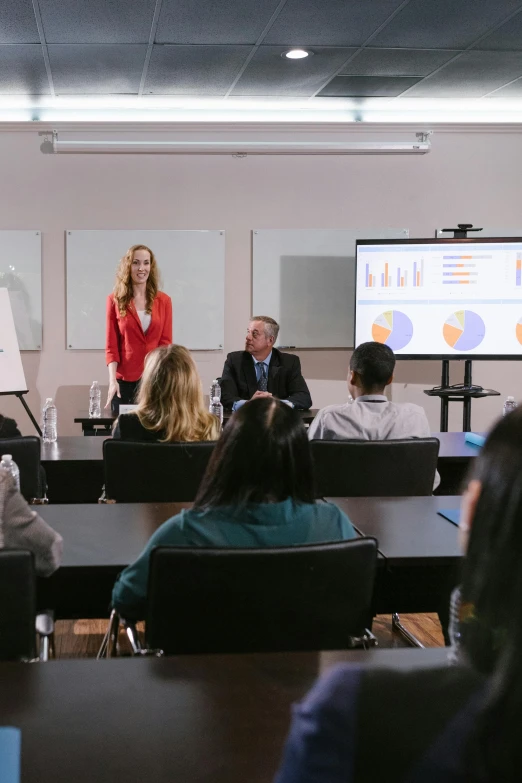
pixel 123 291
pixel 170 397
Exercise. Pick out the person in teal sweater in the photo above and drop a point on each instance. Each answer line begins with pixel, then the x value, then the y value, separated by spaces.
pixel 257 491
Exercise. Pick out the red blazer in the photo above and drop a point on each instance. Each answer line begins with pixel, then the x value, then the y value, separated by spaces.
pixel 126 342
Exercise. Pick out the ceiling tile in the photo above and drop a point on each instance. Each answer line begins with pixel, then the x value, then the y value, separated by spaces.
pixel 471 76
pixel 366 86
pixel 22 70
pixel 270 74
pixel 398 62
pixel 97 21
pixel 208 22
pixel 17 22
pixel 329 22
pixel 194 70
pixel 507 37
pixel 452 24
pixel 513 90
pixel 91 69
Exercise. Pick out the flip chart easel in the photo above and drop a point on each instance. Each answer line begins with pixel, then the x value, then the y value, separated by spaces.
pixel 12 378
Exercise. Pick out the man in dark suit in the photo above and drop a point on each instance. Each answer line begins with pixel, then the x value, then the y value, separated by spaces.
pixel 263 371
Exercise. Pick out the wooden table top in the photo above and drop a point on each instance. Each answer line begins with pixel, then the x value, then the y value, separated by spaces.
pixel 193 719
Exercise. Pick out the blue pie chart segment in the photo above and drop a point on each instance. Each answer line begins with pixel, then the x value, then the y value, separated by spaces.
pixel 393 328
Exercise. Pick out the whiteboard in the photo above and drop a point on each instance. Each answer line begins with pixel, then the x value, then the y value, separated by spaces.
pixel 12 378
pixel 21 274
pixel 305 279
pixel 192 270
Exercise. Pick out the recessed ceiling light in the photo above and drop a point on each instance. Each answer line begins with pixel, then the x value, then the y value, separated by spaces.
pixel 297 54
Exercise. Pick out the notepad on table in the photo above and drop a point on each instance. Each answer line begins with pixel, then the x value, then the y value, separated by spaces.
pixel 10 751
pixel 452 514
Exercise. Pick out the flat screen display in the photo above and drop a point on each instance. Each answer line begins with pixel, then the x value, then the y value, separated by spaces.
pixel 441 299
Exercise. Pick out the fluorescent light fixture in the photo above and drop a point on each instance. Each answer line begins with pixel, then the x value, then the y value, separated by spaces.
pixel 297 54
pixel 243 148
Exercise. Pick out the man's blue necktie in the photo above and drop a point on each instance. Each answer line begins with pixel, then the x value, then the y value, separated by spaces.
pixel 262 381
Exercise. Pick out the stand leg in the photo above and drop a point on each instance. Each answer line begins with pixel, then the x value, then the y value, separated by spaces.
pixel 28 411
pixel 444 382
pixel 466 412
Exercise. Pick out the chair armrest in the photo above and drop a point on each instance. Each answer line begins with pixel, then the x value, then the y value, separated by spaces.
pixel 45 629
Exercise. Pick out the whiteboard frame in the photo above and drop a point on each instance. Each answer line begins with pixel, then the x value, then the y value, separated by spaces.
pixel 273 308
pixel 107 246
pixel 28 321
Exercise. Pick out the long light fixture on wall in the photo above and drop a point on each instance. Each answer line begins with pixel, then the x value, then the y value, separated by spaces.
pixel 243 148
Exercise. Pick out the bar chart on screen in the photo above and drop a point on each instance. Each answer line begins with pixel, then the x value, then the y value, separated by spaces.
pixel 409 274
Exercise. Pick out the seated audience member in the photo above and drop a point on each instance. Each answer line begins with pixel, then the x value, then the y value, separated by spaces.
pixel 21 528
pixel 8 428
pixel 450 724
pixel 257 491
pixel 263 371
pixel 170 402
pixel 371 416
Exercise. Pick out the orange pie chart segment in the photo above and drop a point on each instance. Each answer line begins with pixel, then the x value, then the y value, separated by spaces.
pixel 519 330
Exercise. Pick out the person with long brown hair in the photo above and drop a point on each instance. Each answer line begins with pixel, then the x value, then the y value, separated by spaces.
pixel 139 319
pixel 170 402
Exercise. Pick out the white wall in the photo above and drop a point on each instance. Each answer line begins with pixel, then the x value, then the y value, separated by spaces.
pixel 471 175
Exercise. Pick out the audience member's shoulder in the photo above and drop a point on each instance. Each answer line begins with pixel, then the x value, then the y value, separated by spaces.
pixel 412 408
pixel 235 355
pixel 343 408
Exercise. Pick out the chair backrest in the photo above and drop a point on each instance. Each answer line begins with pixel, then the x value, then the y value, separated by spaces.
pixel 209 600
pixel 26 454
pixel 17 605
pixel 154 472
pixel 375 468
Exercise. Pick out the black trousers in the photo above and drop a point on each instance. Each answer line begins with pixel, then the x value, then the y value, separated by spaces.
pixel 128 391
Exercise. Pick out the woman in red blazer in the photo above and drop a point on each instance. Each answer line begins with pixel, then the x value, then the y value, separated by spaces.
pixel 139 319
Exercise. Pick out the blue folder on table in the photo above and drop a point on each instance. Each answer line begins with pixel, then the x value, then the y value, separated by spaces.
pixel 452 514
pixel 10 751
pixel 474 439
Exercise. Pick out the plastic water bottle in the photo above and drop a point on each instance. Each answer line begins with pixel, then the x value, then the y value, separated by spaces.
pixel 509 405
pixel 11 467
pixel 95 401
pixel 215 391
pixel 216 408
pixel 49 420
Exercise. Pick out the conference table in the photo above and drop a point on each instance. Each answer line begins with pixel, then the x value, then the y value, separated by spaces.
pixel 418 560
pixel 74 466
pixel 102 425
pixel 191 719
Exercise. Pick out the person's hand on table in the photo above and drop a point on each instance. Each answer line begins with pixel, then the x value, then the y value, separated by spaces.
pixel 261 394
pixel 114 389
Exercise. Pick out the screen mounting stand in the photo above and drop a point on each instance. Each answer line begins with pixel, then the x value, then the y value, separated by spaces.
pixel 460 392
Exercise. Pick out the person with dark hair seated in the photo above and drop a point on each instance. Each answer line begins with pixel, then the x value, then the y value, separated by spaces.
pixel 9 428
pixel 453 724
pixel 257 491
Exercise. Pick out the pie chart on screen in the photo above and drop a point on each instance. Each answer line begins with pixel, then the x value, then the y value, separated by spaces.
pixel 519 330
pixel 392 328
pixel 464 330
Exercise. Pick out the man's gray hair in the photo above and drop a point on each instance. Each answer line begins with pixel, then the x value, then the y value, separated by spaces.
pixel 271 326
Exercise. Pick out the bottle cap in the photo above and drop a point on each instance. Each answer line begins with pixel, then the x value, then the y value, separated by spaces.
pixel 215 400
pixel 48 399
pixel 510 399
pixel 7 457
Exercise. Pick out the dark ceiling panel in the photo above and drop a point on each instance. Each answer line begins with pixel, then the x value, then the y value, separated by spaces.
pixel 211 22
pixel 329 22
pixel 398 62
pixel 471 76
pixel 97 21
pixel 440 24
pixel 17 22
pixel 366 87
pixel 270 74
pixel 507 37
pixel 194 70
pixel 91 69
pixel 22 70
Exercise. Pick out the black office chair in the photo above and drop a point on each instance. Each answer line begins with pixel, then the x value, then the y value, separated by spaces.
pixel 26 453
pixel 19 623
pixel 375 468
pixel 209 600
pixel 366 468
pixel 154 472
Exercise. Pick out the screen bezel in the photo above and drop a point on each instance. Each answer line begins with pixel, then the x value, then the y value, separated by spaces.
pixel 436 241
